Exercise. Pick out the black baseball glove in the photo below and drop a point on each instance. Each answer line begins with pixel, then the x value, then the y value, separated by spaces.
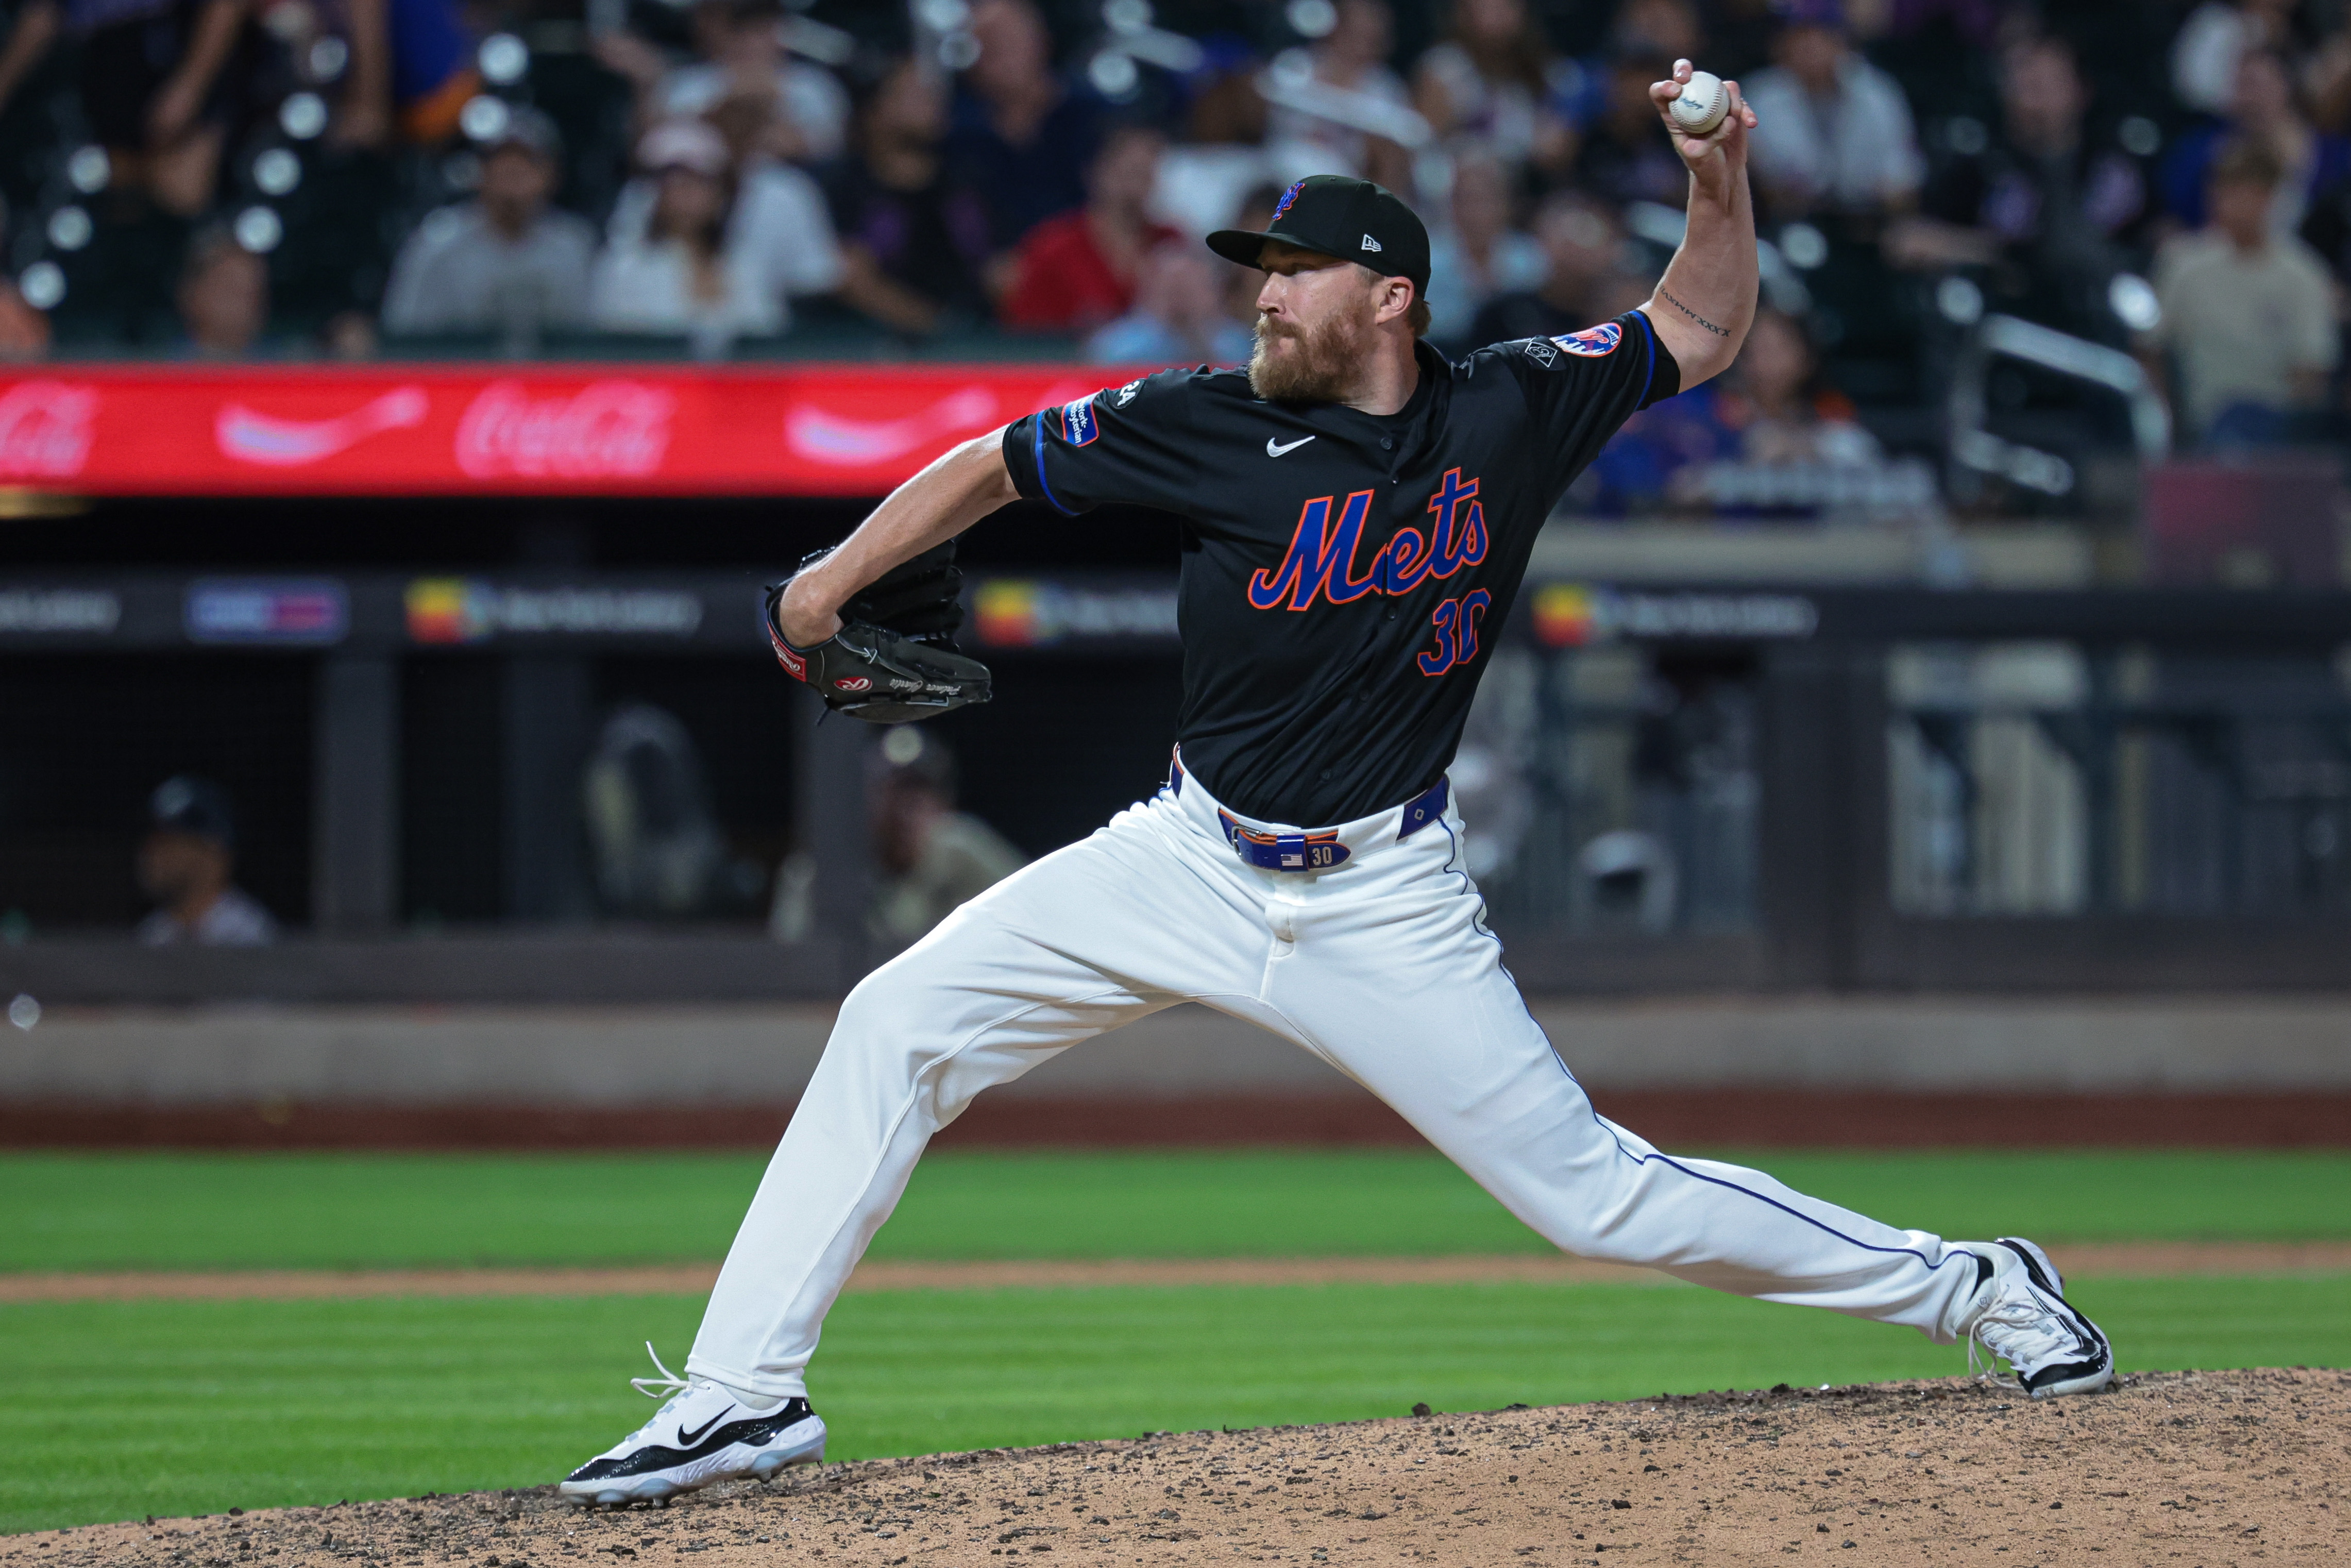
pixel 895 657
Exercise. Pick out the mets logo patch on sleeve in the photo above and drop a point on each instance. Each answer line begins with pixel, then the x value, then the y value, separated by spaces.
pixel 1594 342
pixel 1079 427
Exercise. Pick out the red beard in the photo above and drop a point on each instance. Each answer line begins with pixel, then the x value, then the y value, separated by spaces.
pixel 1321 363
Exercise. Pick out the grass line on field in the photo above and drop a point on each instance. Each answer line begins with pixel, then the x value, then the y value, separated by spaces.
pixel 2110 1261
pixel 89 1213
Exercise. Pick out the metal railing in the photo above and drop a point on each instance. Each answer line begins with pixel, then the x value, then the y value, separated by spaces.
pixel 1977 452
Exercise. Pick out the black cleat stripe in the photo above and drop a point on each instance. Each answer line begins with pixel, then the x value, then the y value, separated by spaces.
pixel 2059 1373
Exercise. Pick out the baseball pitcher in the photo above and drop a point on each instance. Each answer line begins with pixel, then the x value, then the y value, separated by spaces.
pixel 1358 513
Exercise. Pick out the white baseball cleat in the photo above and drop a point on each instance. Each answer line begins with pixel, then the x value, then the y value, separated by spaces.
pixel 704 1432
pixel 2020 1313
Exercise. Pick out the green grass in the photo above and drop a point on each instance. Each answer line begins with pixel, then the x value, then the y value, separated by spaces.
pixel 204 1211
pixel 121 1409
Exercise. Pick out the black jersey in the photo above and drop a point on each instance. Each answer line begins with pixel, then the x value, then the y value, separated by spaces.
pixel 1344 575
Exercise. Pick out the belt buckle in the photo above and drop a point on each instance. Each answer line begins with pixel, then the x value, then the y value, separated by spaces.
pixel 1284 851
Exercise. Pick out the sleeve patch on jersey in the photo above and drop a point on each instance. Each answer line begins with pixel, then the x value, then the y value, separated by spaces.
pixel 1594 342
pixel 1540 350
pixel 1079 427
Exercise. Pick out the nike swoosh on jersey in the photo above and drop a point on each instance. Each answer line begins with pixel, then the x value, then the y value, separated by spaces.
pixel 1272 450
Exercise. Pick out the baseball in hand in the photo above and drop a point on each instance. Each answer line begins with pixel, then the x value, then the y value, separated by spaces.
pixel 1703 103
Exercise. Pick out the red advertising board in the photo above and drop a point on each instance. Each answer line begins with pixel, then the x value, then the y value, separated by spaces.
pixel 554 429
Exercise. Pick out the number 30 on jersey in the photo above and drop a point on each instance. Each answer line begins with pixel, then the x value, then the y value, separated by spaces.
pixel 1456 621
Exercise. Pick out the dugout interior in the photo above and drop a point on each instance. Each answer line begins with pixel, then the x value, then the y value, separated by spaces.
pixel 1669 787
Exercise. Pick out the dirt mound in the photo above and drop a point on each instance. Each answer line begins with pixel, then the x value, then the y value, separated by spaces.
pixel 2208 1468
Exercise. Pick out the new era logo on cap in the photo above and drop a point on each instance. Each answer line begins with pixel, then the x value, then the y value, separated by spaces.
pixel 1371 244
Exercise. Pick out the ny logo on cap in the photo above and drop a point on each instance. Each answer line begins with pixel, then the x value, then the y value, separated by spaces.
pixel 1371 244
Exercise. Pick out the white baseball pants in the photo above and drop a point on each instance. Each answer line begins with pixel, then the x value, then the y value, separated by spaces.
pixel 1382 966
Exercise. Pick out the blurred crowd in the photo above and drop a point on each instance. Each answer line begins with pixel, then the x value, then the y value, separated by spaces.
pixel 223 179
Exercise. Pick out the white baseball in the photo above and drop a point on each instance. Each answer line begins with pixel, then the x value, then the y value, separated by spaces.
pixel 1703 103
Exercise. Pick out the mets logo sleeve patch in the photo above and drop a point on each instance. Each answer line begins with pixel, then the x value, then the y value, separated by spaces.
pixel 1594 342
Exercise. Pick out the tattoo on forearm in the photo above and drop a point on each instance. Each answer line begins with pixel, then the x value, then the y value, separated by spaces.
pixel 1718 331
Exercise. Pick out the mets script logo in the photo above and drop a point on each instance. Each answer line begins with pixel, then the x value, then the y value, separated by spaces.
pixel 1283 205
pixel 1594 342
pixel 1078 424
pixel 1322 559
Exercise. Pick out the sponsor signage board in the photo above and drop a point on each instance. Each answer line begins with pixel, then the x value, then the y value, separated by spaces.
pixel 557 429
pixel 1034 612
pixel 454 610
pixel 28 612
pixel 1574 614
pixel 297 612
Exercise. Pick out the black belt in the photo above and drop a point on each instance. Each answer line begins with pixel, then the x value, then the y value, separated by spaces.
pixel 1310 851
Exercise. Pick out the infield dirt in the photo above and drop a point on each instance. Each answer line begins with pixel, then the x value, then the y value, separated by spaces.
pixel 2170 1471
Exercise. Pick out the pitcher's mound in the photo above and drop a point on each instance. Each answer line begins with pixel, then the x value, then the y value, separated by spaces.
pixel 2171 1468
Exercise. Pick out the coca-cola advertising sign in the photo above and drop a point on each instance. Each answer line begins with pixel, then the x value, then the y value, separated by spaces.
pixel 45 429
pixel 441 430
pixel 605 430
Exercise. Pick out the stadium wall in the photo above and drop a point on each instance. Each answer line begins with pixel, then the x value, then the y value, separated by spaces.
pixel 2217 1068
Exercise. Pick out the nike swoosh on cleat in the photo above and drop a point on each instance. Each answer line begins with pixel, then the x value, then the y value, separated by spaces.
pixel 1273 451
pixel 689 1439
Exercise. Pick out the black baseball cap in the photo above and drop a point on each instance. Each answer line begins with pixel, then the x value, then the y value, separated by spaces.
pixel 1351 219
pixel 197 807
